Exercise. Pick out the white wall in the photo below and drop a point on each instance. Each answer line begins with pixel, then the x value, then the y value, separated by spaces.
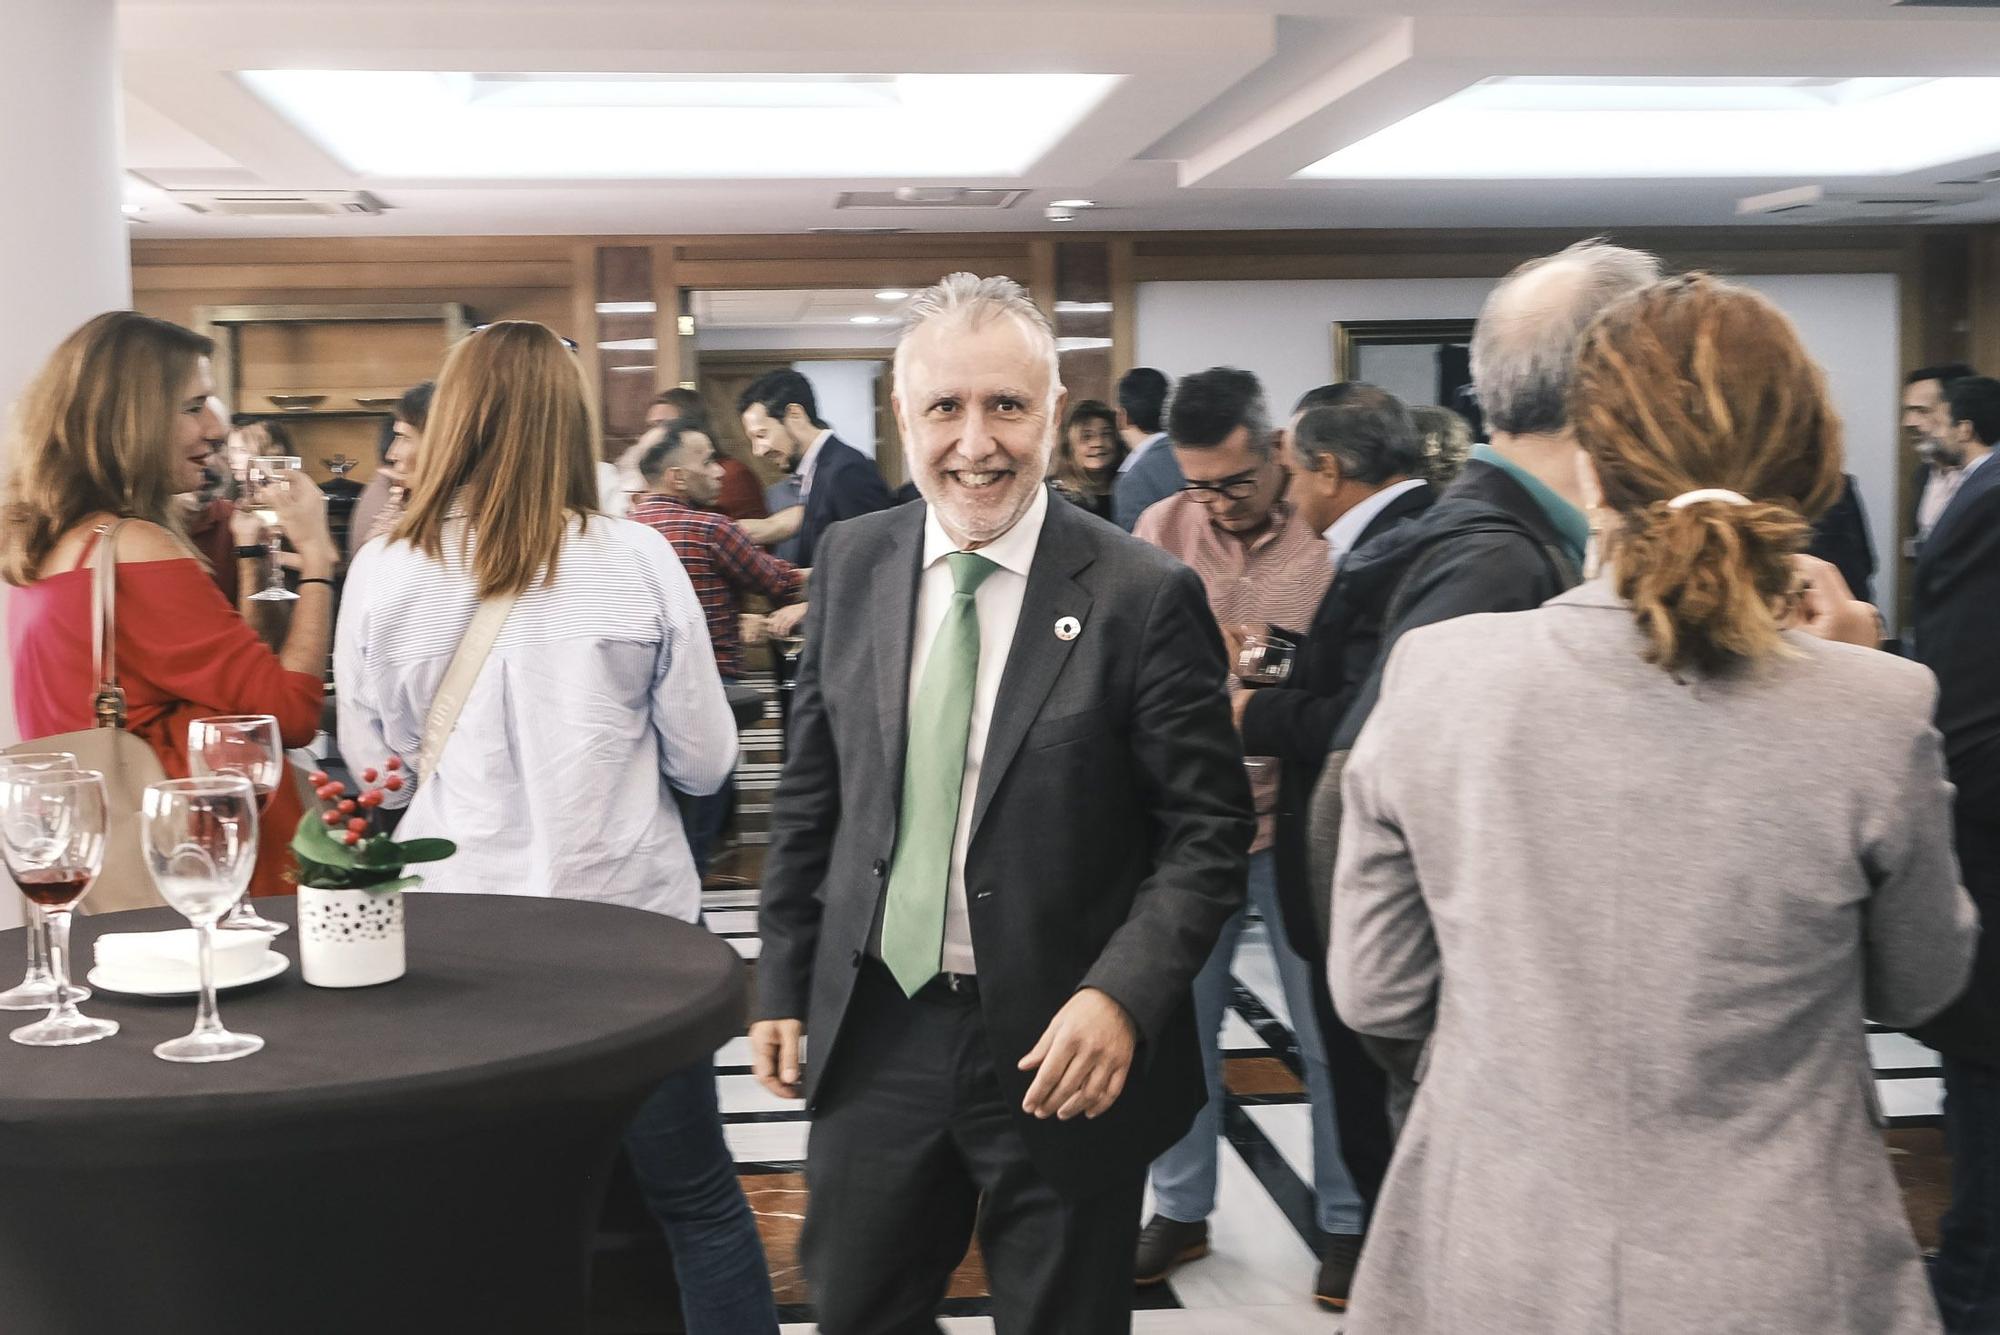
pixel 1281 330
pixel 846 394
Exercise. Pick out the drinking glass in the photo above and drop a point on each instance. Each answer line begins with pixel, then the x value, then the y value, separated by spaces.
pixel 201 846
pixel 37 991
pixel 266 472
pixel 246 745
pixel 52 825
pixel 1265 660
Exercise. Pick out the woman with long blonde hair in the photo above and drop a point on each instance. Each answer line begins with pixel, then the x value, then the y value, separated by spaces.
pixel 118 423
pixel 1641 884
pixel 594 697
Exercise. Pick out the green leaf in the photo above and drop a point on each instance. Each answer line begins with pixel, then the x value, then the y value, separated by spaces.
pixel 379 852
pixel 427 850
pixel 314 842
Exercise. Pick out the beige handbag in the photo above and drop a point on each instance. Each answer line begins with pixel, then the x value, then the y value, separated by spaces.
pixel 126 762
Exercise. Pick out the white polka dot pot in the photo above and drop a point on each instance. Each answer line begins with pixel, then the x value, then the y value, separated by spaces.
pixel 350 938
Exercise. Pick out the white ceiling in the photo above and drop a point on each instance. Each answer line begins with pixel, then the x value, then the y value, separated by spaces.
pixel 1218 103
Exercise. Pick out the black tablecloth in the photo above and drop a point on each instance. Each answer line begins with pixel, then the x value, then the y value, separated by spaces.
pixel 427 1155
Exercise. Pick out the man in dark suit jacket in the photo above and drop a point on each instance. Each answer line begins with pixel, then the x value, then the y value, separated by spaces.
pixel 837 481
pixel 1957 631
pixel 1355 460
pixel 1149 472
pixel 1012 824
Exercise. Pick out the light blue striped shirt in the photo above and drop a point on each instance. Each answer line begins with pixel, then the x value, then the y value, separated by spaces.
pixel 599 697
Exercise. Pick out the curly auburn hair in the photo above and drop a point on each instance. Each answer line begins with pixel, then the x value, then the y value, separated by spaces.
pixel 1689 384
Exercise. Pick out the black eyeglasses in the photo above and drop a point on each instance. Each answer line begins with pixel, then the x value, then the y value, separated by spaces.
pixel 569 343
pixel 1236 488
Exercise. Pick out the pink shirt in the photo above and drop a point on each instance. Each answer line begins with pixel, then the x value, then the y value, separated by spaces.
pixel 1277 577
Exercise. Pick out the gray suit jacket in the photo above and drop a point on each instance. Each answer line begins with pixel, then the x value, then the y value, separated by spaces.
pixel 1155 477
pixel 1111 826
pixel 1644 920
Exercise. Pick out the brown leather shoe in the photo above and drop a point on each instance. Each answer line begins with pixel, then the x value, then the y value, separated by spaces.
pixel 1165 1245
pixel 1336 1270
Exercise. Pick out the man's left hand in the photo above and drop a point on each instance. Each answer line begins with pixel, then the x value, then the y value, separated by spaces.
pixel 1082 1060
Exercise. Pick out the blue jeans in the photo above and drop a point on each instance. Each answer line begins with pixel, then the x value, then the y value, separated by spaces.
pixel 1184 1177
pixel 1966 1274
pixel 688 1178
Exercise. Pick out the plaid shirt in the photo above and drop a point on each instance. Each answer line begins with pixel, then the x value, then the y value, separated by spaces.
pixel 723 565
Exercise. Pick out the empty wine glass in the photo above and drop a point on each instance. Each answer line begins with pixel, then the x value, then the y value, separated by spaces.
pixel 52 825
pixel 246 745
pixel 201 846
pixel 267 471
pixel 37 990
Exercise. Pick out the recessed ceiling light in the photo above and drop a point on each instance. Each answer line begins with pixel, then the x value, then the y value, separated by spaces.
pixel 1626 128
pixel 626 308
pixel 131 209
pixel 629 345
pixel 892 294
pixel 864 319
pixel 1081 344
pixel 1083 308
pixel 579 126
pixel 1073 203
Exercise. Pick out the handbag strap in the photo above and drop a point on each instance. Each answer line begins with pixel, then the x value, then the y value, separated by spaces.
pixel 108 704
pixel 451 695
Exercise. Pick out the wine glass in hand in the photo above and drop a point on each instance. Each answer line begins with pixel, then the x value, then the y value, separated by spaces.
pixel 201 846
pixel 246 745
pixel 270 476
pixel 37 990
pixel 52 825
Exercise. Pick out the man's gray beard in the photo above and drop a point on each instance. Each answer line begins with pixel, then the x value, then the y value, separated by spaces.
pixel 1936 454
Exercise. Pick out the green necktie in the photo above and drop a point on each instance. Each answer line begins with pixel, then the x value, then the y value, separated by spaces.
pixel 933 779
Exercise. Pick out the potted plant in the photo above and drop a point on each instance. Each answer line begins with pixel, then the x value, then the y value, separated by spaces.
pixel 351 879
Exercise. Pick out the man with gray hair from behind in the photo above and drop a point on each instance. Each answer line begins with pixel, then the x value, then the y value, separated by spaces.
pixel 1012 824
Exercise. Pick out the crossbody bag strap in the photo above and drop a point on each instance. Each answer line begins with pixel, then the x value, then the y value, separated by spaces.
pixel 108 703
pixel 451 695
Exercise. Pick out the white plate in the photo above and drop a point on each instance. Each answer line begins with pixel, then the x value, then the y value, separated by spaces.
pixel 273 965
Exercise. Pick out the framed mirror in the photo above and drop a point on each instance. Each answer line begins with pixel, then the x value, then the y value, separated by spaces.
pixel 1419 361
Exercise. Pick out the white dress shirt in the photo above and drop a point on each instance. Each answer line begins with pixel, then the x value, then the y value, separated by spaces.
pixel 1125 464
pixel 1345 531
pixel 598 698
pixel 998 601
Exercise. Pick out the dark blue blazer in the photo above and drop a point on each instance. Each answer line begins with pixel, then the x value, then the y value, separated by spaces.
pixel 845 483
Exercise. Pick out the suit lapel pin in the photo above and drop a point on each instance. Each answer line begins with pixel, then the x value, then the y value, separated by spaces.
pixel 1068 628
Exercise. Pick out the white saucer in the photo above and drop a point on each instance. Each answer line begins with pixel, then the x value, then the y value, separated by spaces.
pixel 273 965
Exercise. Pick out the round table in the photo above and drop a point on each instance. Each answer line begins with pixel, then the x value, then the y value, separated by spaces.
pixel 424 1156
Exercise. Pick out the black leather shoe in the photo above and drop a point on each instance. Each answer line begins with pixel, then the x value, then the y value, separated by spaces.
pixel 1164 1245
pixel 1336 1270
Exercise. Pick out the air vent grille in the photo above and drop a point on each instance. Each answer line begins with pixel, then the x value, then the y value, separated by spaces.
pixel 279 203
pixel 927 198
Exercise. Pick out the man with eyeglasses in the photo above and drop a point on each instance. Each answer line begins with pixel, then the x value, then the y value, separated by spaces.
pixel 1262 563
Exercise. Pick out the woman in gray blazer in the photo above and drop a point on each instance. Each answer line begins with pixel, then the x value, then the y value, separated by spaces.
pixel 1640 863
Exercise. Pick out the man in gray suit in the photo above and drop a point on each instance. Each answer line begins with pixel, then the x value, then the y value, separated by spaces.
pixel 1012 824
pixel 1150 472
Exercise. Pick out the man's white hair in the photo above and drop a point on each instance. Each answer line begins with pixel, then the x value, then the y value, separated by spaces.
pixel 972 300
pixel 1524 348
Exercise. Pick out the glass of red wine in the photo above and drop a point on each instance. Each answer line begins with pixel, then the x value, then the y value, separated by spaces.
pixel 52 825
pixel 37 989
pixel 247 745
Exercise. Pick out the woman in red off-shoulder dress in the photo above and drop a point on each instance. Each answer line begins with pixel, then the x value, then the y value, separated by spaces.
pixel 117 423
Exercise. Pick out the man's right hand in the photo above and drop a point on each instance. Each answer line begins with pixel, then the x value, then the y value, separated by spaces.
pixel 774 1056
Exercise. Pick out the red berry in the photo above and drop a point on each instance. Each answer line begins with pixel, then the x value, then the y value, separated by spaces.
pixel 393 783
pixel 371 798
pixel 330 790
pixel 393 763
pixel 351 838
pixel 317 777
pixel 330 817
pixel 347 807
pixel 357 826
pixel 369 776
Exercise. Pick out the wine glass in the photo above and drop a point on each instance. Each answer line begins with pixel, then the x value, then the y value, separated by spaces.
pixel 246 745
pixel 37 990
pixel 266 471
pixel 201 846
pixel 52 825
